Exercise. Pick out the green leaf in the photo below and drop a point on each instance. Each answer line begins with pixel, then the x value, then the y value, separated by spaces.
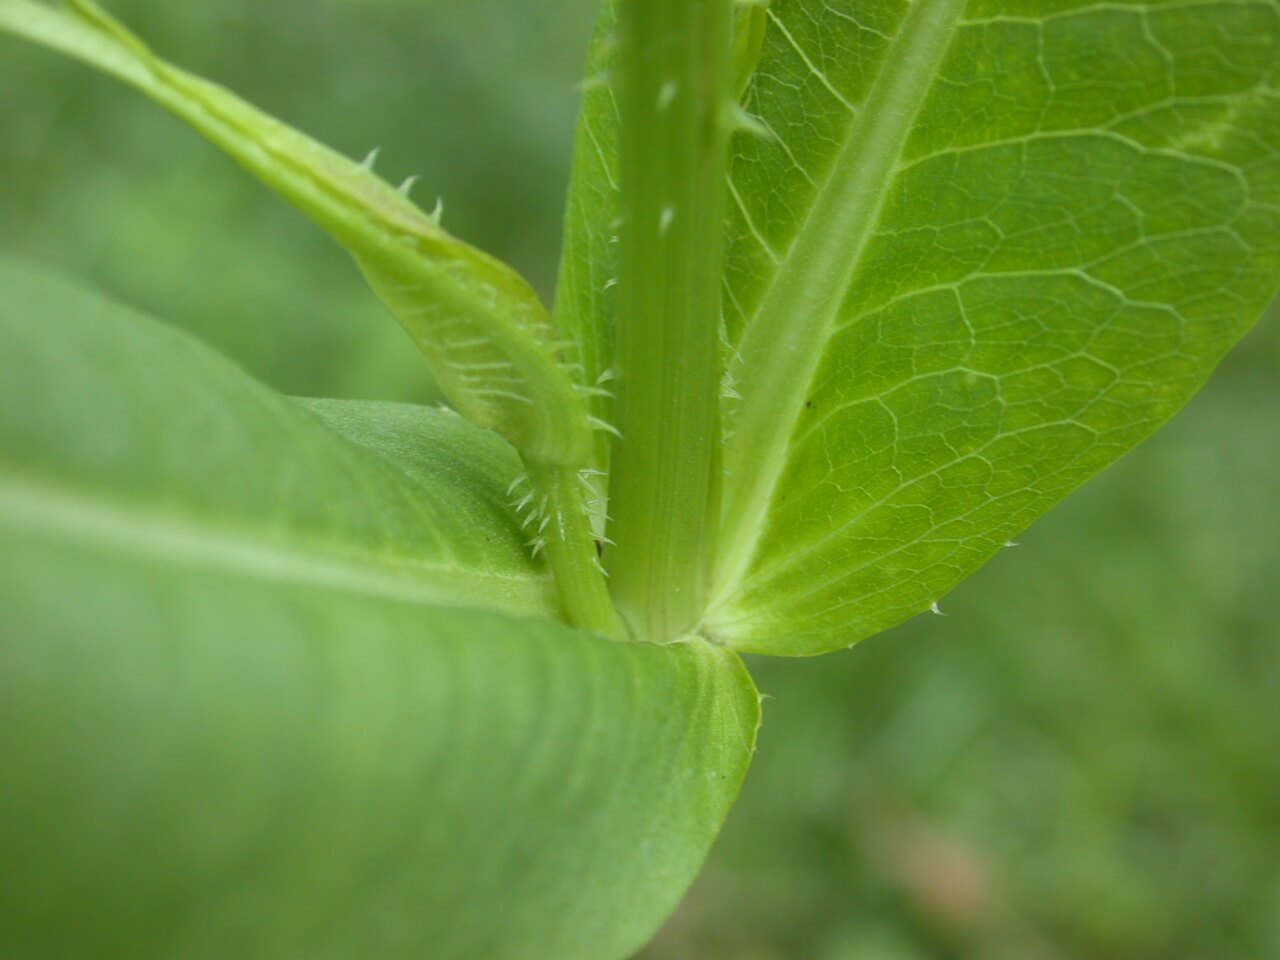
pixel 586 290
pixel 482 328
pixel 234 717
pixel 203 764
pixel 984 249
pixel 750 19
pixel 490 342
pixel 116 428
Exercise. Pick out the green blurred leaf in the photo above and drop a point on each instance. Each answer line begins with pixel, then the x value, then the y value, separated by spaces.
pixel 233 719
pixel 984 249
pixel 116 428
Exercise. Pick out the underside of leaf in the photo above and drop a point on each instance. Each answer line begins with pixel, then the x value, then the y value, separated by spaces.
pixel 986 248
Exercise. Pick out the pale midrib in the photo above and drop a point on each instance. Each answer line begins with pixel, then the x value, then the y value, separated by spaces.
pixel 782 345
pixel 73 517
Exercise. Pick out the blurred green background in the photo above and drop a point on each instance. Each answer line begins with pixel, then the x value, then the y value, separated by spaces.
pixel 1080 761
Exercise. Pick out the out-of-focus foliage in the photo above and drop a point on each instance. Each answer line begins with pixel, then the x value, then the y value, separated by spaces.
pixel 1080 761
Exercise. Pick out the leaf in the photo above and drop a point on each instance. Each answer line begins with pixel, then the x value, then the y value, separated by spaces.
pixel 750 19
pixel 586 297
pixel 118 429
pixel 234 718
pixel 985 249
pixel 488 338
pixel 490 343
pixel 206 765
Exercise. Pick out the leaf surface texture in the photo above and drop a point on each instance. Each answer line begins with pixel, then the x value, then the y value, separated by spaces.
pixel 116 428
pixel 1065 214
pixel 252 703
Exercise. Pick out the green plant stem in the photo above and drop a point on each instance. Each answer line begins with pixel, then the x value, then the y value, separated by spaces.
pixel 675 90
pixel 560 524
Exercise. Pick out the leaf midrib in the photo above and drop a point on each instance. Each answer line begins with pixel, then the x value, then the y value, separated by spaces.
pixel 62 513
pixel 782 345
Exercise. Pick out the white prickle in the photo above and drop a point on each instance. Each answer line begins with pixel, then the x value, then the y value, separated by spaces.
pixel 595 82
pixel 727 388
pixel 604 427
pixel 743 122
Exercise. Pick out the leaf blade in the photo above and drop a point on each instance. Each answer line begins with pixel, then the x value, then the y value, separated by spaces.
pixel 99 411
pixel 202 765
pixel 1035 212
pixel 482 328
pixel 586 297
pixel 212 749
pixel 808 285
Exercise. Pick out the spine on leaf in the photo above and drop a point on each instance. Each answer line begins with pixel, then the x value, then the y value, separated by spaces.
pixel 489 341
